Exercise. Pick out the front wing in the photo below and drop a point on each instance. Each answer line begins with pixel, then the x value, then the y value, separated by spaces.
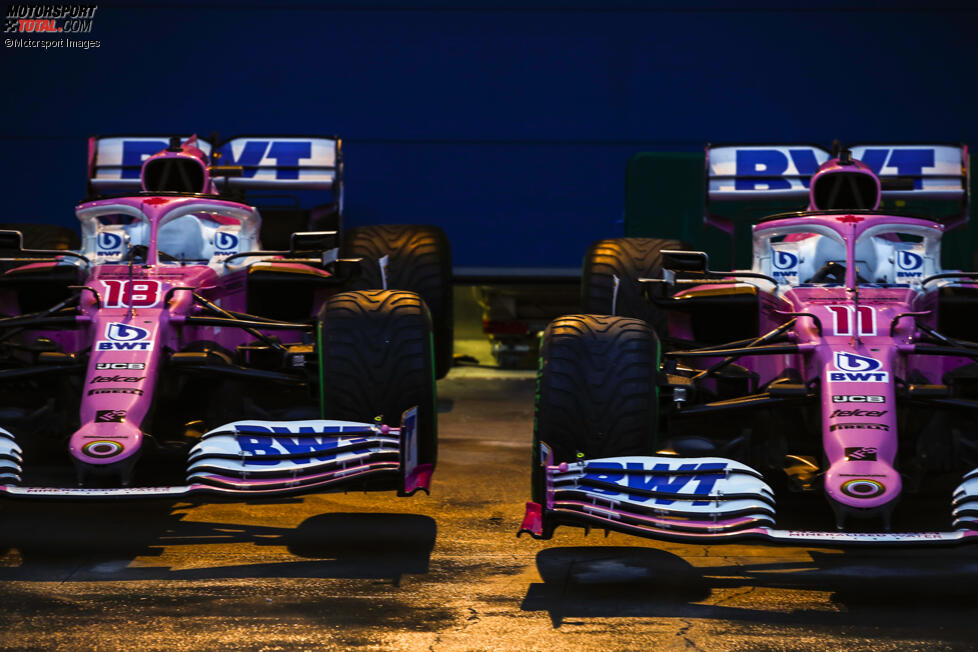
pixel 708 500
pixel 254 459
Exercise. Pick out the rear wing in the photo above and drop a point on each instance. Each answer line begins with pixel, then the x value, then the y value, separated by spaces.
pixel 115 162
pixel 263 162
pixel 750 181
pixel 279 174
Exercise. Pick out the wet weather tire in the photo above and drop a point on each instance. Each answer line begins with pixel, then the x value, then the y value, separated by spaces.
pixel 629 259
pixel 375 359
pixel 420 260
pixel 596 389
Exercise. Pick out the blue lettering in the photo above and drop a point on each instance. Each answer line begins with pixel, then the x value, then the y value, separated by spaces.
pixel 250 159
pixel 289 153
pixel 298 446
pixel 318 445
pixel 133 154
pixel 912 162
pixel 761 163
pixel 125 346
pixel 670 484
pixel 258 447
pixel 612 478
pixel 662 479
pixel 709 479
pixel 805 161
pixel 875 159
pixel 857 377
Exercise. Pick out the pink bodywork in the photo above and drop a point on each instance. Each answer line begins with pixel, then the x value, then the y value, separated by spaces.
pixel 121 379
pixel 855 335
pixel 837 166
pixel 868 426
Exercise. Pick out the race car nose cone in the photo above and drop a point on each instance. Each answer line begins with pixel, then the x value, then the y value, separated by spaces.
pixel 863 484
pixel 106 442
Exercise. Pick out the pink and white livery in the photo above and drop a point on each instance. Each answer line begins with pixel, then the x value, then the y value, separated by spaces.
pixel 827 395
pixel 173 355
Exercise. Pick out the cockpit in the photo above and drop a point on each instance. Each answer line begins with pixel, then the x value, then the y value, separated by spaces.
pixel 807 253
pixel 193 232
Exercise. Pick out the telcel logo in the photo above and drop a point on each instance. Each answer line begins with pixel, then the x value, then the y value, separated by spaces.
pixel 857 413
pixel 123 337
pixel 854 368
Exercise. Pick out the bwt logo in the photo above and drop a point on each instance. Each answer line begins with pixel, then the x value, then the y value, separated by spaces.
pixel 286 154
pixel 852 362
pixel 785 260
pixel 659 481
pixel 259 449
pixel 125 332
pixel 785 264
pixel 123 337
pixel 857 369
pixel 770 163
pixel 909 264
pixel 225 242
pixel 109 243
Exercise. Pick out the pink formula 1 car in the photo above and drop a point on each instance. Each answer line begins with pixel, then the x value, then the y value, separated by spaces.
pixel 174 355
pixel 827 395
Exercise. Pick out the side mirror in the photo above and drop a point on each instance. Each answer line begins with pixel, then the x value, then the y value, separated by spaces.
pixel 11 240
pixel 347 268
pixel 225 171
pixel 685 261
pixel 896 183
pixel 314 241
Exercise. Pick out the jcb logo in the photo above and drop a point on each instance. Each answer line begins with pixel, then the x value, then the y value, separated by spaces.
pixel 858 398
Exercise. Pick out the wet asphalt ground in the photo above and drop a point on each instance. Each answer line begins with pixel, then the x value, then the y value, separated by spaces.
pixel 446 571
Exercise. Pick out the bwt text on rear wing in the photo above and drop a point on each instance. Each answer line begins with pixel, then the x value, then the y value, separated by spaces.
pixel 265 162
pixel 911 175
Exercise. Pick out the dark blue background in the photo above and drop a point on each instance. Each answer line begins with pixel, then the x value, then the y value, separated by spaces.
pixel 510 127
